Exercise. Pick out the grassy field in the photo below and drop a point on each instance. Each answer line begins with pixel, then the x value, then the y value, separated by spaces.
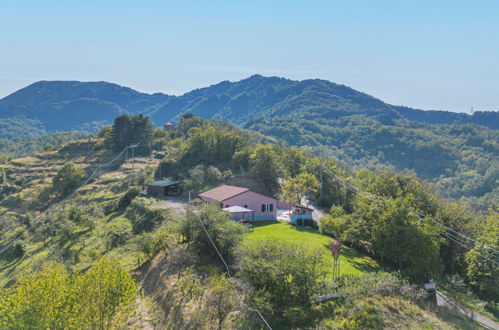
pixel 351 261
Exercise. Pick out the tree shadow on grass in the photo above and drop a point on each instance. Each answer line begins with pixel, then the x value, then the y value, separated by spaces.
pixel 264 223
pixel 358 260
pixel 307 229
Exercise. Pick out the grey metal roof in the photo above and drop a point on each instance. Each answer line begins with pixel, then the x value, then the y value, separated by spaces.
pixel 236 209
pixel 163 183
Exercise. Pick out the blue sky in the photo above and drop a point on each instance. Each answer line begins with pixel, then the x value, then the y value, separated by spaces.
pixel 425 54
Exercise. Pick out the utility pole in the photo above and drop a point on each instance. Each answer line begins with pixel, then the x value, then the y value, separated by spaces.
pixel 133 156
pixel 52 224
pixel 322 170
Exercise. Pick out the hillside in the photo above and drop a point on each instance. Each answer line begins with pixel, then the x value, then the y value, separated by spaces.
pixel 457 152
pixel 168 246
pixel 48 106
pixel 271 97
pixel 71 105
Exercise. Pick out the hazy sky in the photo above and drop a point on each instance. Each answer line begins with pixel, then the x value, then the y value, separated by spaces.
pixel 425 54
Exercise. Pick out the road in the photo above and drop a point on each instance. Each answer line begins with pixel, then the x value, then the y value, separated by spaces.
pixel 443 300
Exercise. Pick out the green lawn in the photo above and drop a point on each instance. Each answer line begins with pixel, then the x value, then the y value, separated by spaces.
pixel 351 261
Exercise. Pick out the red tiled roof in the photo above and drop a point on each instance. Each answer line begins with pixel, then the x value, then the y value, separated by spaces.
pixel 223 192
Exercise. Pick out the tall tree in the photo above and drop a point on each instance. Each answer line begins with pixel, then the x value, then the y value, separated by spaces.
pixel 129 130
pixel 294 189
pixel 67 179
pixel 483 271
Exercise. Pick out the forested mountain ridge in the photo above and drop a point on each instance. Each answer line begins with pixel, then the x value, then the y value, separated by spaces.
pixel 271 97
pixel 48 106
pixel 72 105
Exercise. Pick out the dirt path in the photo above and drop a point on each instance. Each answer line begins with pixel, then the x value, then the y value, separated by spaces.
pixel 178 204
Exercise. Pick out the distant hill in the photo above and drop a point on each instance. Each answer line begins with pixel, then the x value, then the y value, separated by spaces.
pixel 72 105
pixel 49 106
pixel 314 99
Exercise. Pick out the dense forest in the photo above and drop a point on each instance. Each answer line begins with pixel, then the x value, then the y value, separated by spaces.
pixel 202 270
pixel 461 160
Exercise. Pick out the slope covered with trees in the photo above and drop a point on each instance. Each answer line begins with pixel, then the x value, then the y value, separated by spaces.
pixel 71 105
pixel 174 259
pixel 457 152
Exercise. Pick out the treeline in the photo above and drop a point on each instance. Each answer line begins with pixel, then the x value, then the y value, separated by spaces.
pixel 21 147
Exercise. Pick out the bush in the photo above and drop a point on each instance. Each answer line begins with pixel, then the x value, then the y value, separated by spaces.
pixel 145 216
pixel 18 249
pixel 335 227
pixel 285 276
pixel 128 198
pixel 151 244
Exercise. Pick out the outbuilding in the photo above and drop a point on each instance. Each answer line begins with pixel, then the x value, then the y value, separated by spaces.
pixel 163 188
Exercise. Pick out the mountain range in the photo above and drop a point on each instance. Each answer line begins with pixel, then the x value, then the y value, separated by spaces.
pixel 49 106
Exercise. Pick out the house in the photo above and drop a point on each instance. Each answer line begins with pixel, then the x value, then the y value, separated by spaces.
pixel 251 206
pixel 168 126
pixel 163 188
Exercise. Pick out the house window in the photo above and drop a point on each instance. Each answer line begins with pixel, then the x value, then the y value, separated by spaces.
pixel 267 207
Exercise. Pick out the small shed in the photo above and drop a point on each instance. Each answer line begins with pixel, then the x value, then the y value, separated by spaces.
pixel 240 213
pixel 163 188
pixel 301 212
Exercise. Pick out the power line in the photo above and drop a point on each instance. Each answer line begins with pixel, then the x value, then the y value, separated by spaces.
pixel 229 273
pixel 468 248
pixel 347 185
pixel 373 197
pixel 468 238
pixel 32 226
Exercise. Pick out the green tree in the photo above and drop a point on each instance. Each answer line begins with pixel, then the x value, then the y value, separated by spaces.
pixel 108 295
pixel 67 179
pixel 221 298
pixel 53 299
pixel 225 233
pixel 482 270
pixel 128 130
pixel 304 184
pixel 399 237
pixel 266 165
pixel 285 276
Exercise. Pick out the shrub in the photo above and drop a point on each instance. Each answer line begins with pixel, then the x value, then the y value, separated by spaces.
pixel 284 276
pixel 128 197
pixel 145 216
pixel 18 250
